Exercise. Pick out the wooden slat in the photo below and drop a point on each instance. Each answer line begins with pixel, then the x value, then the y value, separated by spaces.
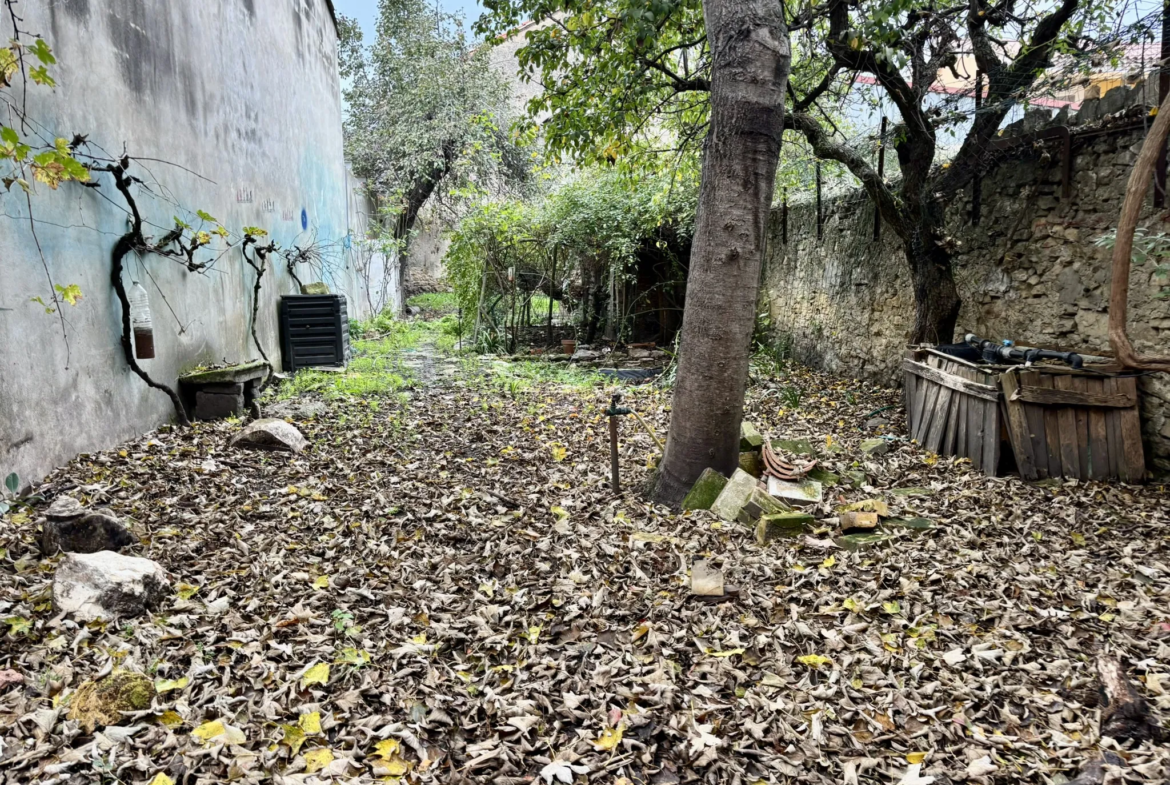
pixel 951 437
pixel 1019 428
pixel 1133 456
pixel 1082 414
pixel 1098 436
pixel 991 437
pixel 1069 459
pixel 909 382
pixel 951 381
pixel 938 421
pixel 975 433
pixel 928 402
pixel 1073 397
pixel 961 436
pixel 921 390
pixel 1113 434
pixel 1049 426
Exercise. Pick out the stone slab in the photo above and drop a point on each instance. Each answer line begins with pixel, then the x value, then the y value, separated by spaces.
pixel 734 495
pixel 803 493
pixel 783 525
pixel 752 463
pixel 749 437
pixel 705 490
pixel 759 503
pixel 232 373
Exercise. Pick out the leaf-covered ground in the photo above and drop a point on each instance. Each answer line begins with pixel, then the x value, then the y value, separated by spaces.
pixel 443 589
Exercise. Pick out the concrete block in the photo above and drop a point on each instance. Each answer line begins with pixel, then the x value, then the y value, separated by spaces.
pixel 759 504
pixel 749 437
pixel 802 494
pixel 752 463
pixel 216 406
pixel 782 525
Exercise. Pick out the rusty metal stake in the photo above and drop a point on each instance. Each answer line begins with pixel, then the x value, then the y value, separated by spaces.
pixel 614 411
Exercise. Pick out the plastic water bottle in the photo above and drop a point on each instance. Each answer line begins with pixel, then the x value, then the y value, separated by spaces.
pixel 140 323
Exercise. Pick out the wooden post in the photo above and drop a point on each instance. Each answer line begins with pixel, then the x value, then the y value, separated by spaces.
pixel 552 285
pixel 613 454
pixel 877 213
pixel 820 215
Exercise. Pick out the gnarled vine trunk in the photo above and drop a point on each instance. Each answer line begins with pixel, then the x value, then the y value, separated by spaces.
pixel 936 298
pixel 750 64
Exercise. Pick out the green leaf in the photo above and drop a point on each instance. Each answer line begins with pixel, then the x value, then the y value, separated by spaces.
pixel 255 231
pixel 9 135
pixel 12 483
pixel 43 52
pixel 70 294
pixel 206 217
pixel 41 76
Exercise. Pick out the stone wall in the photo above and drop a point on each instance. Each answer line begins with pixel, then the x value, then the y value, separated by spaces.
pixel 1029 270
pixel 237 105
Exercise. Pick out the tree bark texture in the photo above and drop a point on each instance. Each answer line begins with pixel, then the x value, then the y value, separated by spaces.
pixel 750 65
pixel 1135 196
pixel 936 298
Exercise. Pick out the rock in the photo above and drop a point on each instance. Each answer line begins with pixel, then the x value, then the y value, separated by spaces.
pixel 105 585
pixel 856 477
pixel 859 520
pixel 270 434
pixel 782 526
pixel 875 447
pixel 759 504
pixel 639 354
pixel 734 495
pixel 89 532
pixel 752 463
pixel 803 493
pixel 705 490
pixel 913 524
pixel 101 703
pixel 63 508
pixel 855 542
pixel 706 581
pixel 318 287
pixel 876 422
pixel 585 355
pixel 749 437
pixel 911 492
pixel 794 446
pixel 824 477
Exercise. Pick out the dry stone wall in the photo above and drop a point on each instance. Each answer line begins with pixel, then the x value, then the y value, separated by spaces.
pixel 1030 270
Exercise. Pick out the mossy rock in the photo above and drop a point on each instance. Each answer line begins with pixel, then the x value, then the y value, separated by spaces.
pixel 705 490
pixel 917 525
pixel 875 447
pixel 752 463
pixel 824 477
pixel 101 703
pixel 317 287
pixel 782 526
pixel 749 437
pixel 795 446
pixel 856 478
pixel 855 542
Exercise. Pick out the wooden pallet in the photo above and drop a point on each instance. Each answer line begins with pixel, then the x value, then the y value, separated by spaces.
pixel 1065 423
pixel 953 407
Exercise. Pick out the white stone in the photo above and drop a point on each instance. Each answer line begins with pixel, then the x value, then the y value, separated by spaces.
pixel 104 585
pixel 270 434
pixel 734 495
pixel 803 493
pixel 706 581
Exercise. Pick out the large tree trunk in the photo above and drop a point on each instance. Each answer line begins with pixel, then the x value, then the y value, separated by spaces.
pixel 936 298
pixel 750 51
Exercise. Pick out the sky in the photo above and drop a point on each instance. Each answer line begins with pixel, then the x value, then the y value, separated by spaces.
pixel 365 11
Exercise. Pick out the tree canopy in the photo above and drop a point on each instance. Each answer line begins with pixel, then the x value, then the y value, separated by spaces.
pixel 426 114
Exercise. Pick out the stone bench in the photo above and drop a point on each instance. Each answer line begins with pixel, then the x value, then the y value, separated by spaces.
pixel 216 393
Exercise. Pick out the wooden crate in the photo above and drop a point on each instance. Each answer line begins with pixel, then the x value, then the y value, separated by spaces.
pixel 1065 423
pixel 954 407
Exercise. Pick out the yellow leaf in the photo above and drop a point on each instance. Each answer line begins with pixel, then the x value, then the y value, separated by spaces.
pixel 208 731
pixel 395 766
pixel 387 748
pixel 893 607
pixel 317 760
pixel 559 453
pixel 420 639
pixel 186 591
pixel 162 779
pixel 171 719
pixel 311 722
pixel 318 674
pixel 814 660
pixel 294 737
pixel 322 582
pixel 1078 539
pixel 829 562
pixel 609 739
pixel 70 294
pixel 915 757
pixel 852 605
pixel 167 685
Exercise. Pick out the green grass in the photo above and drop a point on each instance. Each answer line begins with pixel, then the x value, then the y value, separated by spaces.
pixel 438 302
pixel 522 376
pixel 375 370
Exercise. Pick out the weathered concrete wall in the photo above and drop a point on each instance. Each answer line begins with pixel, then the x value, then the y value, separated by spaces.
pixel 244 93
pixel 1029 271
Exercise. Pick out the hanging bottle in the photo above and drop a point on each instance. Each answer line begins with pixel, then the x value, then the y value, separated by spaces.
pixel 140 323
